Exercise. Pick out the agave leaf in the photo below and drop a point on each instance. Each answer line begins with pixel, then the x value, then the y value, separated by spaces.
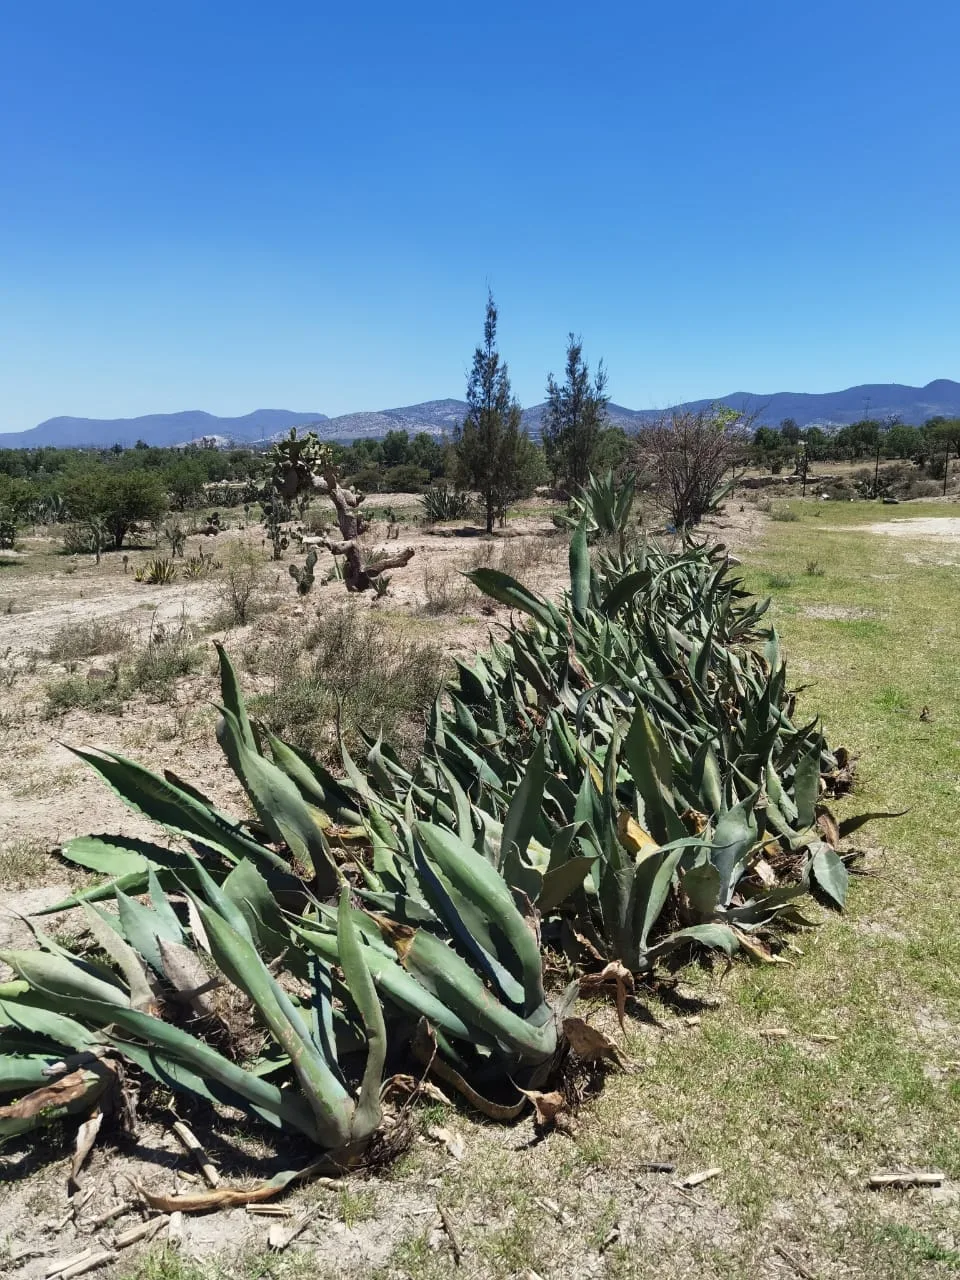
pixel 733 837
pixel 705 775
pixel 359 983
pixel 172 808
pixel 651 767
pixel 141 927
pixel 580 570
pixel 806 786
pixel 624 590
pixel 233 700
pixel 463 991
pixel 396 984
pixel 713 936
pixel 238 958
pixel 701 888
pixel 523 814
pixel 317 786
pixel 500 586
pixel 480 883
pixel 119 856
pixel 830 873
pixel 70 1094
pixel 563 880
pixel 247 888
pixel 283 812
pixel 46 1022
pixel 135 883
pixel 467 931
pixel 652 880
pixel 58 977
pixel 125 958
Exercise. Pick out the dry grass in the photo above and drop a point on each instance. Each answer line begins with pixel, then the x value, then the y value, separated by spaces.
pixel 350 664
pixel 88 640
pixel 23 863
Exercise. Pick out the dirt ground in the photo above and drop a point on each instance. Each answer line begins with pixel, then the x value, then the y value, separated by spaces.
pixel 940 527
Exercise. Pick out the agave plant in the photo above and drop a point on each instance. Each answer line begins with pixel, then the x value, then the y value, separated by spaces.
pixel 442 503
pixel 439 944
pixel 603 507
pixel 650 674
pixel 148 947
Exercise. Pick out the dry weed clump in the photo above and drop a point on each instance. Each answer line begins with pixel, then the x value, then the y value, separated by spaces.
pixel 169 654
pixel 90 639
pixel 349 667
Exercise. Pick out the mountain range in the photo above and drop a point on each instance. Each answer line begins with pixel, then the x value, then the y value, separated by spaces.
pixel 437 417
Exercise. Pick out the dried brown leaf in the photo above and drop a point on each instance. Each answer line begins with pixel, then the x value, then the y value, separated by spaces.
pixel 622 980
pixel 86 1137
pixel 590 1044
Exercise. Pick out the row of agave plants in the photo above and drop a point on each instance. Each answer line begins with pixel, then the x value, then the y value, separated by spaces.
pixel 618 783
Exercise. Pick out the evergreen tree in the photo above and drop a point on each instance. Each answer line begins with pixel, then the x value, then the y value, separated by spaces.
pixel 494 454
pixel 573 419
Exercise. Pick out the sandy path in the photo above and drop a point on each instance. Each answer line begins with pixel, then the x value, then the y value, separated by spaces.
pixel 945 528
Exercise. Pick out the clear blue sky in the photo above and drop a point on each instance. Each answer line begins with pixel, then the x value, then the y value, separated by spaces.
pixel 239 205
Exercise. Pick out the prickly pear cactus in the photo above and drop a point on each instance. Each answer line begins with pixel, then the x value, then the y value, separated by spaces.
pixel 303 575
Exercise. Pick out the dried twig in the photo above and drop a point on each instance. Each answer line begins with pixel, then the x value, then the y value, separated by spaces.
pixel 80 1263
pixel 99 1259
pixel 140 1231
pixel 192 1144
pixel 101 1221
pixel 695 1179
pixel 794 1262
pixel 280 1237
pixel 906 1178
pixel 451 1233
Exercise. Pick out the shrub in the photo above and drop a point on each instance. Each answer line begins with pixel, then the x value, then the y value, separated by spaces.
pixel 169 655
pixel 691 454
pixel 240 585
pixel 88 639
pixel 784 515
pixel 350 665
pixel 78 540
pixel 96 692
pixel 446 590
pixel 923 489
pixel 153 671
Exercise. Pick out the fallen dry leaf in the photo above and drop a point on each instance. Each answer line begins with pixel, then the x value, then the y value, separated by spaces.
pixel 86 1137
pixel 450 1140
pixel 590 1044
pixel 621 978
pixel 548 1106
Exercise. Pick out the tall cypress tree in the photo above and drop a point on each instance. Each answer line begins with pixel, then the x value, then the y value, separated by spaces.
pixel 573 419
pixel 493 451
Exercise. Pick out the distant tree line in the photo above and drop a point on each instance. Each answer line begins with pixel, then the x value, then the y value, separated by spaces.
pixel 773 447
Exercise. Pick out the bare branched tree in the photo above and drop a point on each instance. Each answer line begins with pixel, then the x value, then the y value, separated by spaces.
pixel 690 455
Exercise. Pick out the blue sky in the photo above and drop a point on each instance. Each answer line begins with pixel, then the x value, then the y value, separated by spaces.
pixel 239 205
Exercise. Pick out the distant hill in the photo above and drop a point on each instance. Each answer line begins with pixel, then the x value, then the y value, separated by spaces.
pixel 155 428
pixel 437 417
